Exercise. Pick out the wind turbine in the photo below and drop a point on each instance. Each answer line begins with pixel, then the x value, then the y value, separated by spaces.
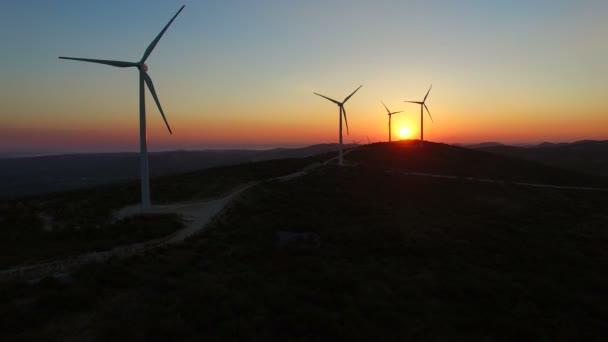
pixel 342 112
pixel 390 114
pixel 423 104
pixel 143 78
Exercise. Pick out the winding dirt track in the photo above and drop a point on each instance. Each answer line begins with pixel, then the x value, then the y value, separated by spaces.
pixel 197 216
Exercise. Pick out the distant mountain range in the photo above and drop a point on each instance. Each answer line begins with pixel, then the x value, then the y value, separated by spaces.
pixel 41 174
pixel 587 156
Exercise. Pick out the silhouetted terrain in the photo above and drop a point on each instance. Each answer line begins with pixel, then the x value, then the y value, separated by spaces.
pixel 32 175
pixel 586 156
pixel 482 145
pixel 47 226
pixel 374 254
pixel 453 160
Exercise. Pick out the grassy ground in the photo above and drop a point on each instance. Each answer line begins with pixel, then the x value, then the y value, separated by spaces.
pixel 400 258
pixel 80 221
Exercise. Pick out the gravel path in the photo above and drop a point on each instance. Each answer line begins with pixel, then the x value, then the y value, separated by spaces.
pixel 196 214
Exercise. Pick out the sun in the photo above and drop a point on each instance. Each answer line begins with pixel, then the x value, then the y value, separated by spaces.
pixel 404 132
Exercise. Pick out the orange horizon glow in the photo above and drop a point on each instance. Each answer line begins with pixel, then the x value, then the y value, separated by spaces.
pixel 533 73
pixel 200 131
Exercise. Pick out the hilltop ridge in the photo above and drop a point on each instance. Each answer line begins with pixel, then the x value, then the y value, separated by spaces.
pixel 43 174
pixel 359 252
pixel 459 161
pixel 586 156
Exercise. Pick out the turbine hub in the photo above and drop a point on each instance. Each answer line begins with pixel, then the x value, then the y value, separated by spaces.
pixel 144 67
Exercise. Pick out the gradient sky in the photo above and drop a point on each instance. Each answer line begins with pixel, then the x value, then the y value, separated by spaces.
pixel 242 73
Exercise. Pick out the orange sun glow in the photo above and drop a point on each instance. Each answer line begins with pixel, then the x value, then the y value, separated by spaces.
pixel 404 132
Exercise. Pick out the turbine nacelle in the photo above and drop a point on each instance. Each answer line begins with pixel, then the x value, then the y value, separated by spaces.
pixel 422 108
pixel 423 103
pixel 342 114
pixel 145 81
pixel 141 65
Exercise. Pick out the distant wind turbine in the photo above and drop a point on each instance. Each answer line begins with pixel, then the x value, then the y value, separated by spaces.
pixel 143 77
pixel 390 114
pixel 342 112
pixel 423 104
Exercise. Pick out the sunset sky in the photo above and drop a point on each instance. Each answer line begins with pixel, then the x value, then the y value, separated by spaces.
pixel 242 73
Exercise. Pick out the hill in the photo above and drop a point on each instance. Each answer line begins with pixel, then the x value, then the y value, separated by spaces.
pixel 453 160
pixel 36 175
pixel 586 156
pixel 482 145
pixel 358 252
pixel 54 225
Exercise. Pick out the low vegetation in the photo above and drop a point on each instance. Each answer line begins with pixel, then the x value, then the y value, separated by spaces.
pixel 61 224
pixel 399 258
pixel 37 245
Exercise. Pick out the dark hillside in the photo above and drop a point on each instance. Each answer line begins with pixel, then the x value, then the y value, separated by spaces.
pixel 379 256
pixel 453 160
pixel 61 224
pixel 36 175
pixel 586 156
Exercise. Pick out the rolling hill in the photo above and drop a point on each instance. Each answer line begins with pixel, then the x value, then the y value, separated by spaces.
pixel 358 252
pixel 35 175
pixel 586 156
pixel 453 160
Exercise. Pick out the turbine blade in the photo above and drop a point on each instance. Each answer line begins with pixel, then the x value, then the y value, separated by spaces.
pixel 397 112
pixel 345 119
pixel 427 110
pixel 155 41
pixel 332 100
pixel 417 102
pixel 119 64
pixel 427 93
pixel 389 112
pixel 353 93
pixel 153 91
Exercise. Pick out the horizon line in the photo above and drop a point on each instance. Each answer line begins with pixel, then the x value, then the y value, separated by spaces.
pixel 252 147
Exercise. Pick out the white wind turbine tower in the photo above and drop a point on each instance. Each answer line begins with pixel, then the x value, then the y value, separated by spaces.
pixel 342 112
pixel 390 114
pixel 423 104
pixel 143 77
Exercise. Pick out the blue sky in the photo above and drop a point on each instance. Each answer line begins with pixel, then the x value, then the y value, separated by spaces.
pixel 248 69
